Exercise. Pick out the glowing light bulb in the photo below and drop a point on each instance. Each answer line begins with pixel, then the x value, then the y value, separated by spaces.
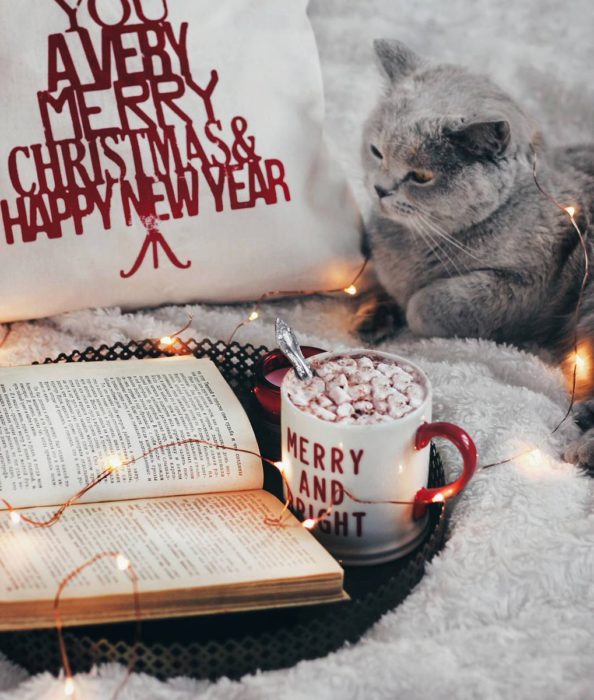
pixel 570 211
pixel 535 457
pixel 309 524
pixel 350 290
pixel 15 517
pixel 69 687
pixel 580 361
pixel 253 316
pixel 122 563
pixel 114 463
pixel 438 498
pixel 167 340
pixel 281 466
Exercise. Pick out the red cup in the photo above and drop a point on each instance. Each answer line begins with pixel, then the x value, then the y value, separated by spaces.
pixel 367 484
pixel 269 373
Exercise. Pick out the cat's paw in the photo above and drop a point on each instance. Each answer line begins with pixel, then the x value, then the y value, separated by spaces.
pixel 424 315
pixel 377 319
pixel 583 414
pixel 581 451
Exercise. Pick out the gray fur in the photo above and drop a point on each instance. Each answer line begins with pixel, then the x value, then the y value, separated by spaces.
pixel 478 251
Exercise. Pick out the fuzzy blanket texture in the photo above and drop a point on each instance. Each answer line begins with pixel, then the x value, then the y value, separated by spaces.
pixel 507 609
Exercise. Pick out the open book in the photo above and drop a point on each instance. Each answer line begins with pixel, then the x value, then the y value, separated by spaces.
pixel 190 519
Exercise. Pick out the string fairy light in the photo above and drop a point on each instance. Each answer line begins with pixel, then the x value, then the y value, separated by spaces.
pixel 578 361
pixel 312 523
pixel 122 564
pixel 69 687
pixel 167 342
pixel 17 518
pixel 114 463
pixel 350 290
pixel 118 463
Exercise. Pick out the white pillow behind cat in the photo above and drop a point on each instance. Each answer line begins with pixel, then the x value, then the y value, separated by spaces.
pixel 157 151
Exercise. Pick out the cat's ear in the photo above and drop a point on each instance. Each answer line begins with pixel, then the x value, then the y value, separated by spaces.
pixel 488 139
pixel 396 58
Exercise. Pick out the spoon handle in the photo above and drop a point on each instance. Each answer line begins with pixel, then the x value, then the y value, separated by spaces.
pixel 289 345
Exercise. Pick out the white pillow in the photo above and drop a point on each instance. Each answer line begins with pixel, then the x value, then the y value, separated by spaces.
pixel 114 111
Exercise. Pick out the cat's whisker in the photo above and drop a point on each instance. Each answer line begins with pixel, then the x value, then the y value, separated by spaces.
pixel 461 267
pixel 447 237
pixel 428 248
pixel 444 238
pixel 437 222
pixel 438 247
pixel 434 246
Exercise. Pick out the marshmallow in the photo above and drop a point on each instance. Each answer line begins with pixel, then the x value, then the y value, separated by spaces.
pixel 365 374
pixel 365 362
pixel 363 406
pixel 322 413
pixel 358 390
pixel 345 410
pixel 380 388
pixel 397 400
pixel 386 369
pixel 339 380
pixel 327 369
pixel 396 412
pixel 380 381
pixel 345 362
pixel 339 395
pixel 401 377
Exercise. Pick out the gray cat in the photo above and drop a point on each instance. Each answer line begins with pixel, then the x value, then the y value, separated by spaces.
pixel 462 241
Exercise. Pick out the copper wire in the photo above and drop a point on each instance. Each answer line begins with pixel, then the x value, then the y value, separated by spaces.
pixel 129 570
pixel 295 293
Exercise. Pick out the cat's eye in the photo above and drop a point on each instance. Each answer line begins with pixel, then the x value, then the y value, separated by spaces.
pixel 376 152
pixel 421 177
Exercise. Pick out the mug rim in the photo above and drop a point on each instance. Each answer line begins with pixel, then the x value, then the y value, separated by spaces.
pixel 368 426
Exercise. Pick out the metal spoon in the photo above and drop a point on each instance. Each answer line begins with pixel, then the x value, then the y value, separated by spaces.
pixel 289 345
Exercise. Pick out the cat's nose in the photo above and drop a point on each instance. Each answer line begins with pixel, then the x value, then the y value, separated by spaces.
pixel 381 192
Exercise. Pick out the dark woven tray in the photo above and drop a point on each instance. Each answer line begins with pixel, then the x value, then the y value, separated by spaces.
pixel 239 643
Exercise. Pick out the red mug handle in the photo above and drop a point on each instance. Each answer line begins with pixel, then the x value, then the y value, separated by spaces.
pixel 467 448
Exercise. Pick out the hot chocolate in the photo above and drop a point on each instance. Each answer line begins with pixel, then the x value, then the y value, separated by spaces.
pixel 361 389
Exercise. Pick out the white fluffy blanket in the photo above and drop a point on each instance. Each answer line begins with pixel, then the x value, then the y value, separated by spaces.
pixel 507 609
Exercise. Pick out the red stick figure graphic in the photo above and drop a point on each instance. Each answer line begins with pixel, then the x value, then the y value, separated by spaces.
pixel 154 239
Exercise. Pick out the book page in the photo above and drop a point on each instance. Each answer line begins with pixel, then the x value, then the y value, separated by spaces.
pixel 61 425
pixel 178 543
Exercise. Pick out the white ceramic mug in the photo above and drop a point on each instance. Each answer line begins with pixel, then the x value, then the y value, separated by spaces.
pixel 324 462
